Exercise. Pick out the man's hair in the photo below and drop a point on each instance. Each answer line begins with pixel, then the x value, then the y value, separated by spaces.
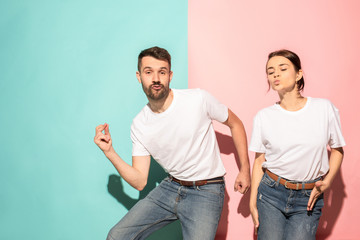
pixel 155 52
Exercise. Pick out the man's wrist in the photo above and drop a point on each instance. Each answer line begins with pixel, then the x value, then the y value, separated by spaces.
pixel 109 152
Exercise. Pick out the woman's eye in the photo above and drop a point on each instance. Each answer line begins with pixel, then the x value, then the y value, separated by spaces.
pixel 270 73
pixel 284 69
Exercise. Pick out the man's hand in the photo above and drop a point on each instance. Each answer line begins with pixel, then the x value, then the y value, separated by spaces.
pixel 103 139
pixel 242 182
pixel 320 187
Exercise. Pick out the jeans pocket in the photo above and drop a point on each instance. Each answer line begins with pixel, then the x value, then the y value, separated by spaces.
pixel 268 181
pixel 307 192
pixel 217 189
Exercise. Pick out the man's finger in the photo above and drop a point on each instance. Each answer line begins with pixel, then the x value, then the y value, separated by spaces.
pixel 107 129
pixel 104 138
pixel 99 128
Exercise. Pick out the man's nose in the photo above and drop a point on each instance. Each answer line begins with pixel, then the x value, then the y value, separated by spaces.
pixel 156 77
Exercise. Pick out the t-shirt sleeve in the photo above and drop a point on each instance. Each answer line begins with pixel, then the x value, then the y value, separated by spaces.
pixel 336 138
pixel 256 142
pixel 138 148
pixel 215 110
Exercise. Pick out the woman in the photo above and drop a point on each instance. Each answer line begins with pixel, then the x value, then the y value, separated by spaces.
pixel 291 168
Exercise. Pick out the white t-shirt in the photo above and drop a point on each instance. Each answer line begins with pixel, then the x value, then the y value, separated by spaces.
pixel 182 138
pixel 295 143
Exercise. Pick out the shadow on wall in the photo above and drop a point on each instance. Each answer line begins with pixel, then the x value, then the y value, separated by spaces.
pixel 156 175
pixel 333 203
pixel 227 147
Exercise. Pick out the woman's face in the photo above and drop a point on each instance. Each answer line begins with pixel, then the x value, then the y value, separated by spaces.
pixel 282 75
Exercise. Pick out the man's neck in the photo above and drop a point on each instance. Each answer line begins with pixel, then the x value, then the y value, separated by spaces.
pixel 159 106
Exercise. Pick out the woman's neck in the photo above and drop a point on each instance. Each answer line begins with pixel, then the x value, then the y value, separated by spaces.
pixel 292 101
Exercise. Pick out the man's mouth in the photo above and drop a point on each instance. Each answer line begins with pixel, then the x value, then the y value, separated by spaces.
pixel 157 86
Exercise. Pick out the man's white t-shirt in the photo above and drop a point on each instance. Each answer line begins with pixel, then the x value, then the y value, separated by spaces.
pixel 182 138
pixel 295 142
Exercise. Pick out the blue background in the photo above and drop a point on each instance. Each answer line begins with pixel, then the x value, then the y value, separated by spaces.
pixel 65 67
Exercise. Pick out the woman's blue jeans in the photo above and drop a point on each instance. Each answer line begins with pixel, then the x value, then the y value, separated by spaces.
pixel 197 207
pixel 283 212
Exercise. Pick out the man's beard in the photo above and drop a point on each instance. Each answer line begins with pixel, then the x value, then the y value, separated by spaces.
pixel 153 94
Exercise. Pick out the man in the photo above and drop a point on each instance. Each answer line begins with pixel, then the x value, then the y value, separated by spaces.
pixel 175 128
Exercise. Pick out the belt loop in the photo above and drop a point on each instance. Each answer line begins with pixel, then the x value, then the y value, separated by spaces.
pixel 278 181
pixel 194 185
pixel 303 185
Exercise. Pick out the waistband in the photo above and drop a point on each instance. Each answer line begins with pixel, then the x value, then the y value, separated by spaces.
pixel 290 184
pixel 199 182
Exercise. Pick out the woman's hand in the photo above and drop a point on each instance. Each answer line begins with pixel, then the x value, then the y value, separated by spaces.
pixel 255 216
pixel 320 187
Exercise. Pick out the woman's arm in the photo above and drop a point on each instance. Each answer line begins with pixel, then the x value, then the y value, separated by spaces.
pixel 257 174
pixel 336 157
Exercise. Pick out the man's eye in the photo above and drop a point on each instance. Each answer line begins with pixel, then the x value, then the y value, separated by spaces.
pixel 284 69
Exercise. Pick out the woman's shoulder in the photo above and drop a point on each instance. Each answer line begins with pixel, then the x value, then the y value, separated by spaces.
pixel 321 102
pixel 267 110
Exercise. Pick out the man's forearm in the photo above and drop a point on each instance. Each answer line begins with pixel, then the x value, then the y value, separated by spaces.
pixel 130 174
pixel 240 141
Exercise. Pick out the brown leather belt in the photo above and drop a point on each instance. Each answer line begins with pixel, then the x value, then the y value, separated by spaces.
pixel 199 182
pixel 290 184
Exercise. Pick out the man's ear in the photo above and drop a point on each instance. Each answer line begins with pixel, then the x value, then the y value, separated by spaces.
pixel 138 76
pixel 171 75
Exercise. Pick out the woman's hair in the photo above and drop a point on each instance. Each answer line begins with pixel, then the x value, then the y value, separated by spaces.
pixel 294 59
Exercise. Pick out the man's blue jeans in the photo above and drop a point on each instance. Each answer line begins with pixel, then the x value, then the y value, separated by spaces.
pixel 198 209
pixel 283 212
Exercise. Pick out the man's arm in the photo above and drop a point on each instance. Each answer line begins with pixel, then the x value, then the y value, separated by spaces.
pixel 137 174
pixel 242 182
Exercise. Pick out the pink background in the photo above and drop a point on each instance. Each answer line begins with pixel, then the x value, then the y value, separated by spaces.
pixel 228 46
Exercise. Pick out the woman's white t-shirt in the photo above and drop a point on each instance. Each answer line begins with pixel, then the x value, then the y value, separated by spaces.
pixel 295 142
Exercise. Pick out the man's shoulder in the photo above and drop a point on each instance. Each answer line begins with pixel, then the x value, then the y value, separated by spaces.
pixel 192 93
pixel 141 115
pixel 189 91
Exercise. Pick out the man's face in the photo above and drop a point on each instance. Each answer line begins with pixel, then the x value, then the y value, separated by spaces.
pixel 155 77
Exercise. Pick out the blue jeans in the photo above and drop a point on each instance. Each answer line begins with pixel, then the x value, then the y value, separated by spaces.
pixel 283 212
pixel 198 209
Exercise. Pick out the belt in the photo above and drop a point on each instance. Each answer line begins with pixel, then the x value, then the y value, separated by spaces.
pixel 199 182
pixel 290 184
